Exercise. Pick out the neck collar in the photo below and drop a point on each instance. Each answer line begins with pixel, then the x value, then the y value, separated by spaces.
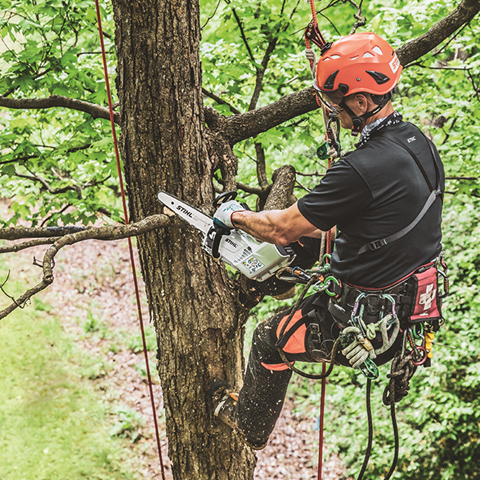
pixel 370 129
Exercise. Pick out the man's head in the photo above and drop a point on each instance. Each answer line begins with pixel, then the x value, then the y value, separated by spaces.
pixel 356 76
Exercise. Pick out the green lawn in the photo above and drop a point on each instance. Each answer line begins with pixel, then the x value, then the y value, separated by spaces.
pixel 53 425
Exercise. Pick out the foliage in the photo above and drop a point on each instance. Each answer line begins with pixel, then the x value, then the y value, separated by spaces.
pixel 129 424
pixel 54 159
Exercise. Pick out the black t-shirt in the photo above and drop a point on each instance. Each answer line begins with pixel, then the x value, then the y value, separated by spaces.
pixel 372 193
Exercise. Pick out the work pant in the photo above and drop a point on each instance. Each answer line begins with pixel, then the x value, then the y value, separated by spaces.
pixel 266 380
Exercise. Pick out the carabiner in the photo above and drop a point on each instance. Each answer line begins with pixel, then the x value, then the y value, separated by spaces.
pixel 418 334
pixel 357 303
pixel 424 355
pixel 328 281
pixel 392 301
pixel 369 369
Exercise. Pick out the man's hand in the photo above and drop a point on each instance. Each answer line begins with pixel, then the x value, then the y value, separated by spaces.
pixel 222 218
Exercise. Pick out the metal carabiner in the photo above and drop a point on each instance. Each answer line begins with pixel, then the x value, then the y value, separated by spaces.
pixel 418 334
pixel 424 354
pixel 328 282
pixel 357 303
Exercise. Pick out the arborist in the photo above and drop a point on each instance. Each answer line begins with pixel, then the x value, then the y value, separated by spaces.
pixel 385 199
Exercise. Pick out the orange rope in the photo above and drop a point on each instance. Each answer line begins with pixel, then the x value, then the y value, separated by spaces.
pixel 314 13
pixel 125 214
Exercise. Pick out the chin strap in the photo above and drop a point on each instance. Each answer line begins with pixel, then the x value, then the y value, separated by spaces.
pixel 357 121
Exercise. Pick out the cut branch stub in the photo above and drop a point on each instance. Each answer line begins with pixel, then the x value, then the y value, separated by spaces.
pixel 281 195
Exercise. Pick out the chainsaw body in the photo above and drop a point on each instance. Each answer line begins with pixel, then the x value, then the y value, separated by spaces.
pixel 256 260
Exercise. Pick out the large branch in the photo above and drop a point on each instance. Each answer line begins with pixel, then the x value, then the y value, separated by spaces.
pixel 247 125
pixel 108 232
pixel 96 111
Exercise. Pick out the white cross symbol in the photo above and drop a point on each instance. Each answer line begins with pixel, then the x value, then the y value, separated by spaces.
pixel 428 297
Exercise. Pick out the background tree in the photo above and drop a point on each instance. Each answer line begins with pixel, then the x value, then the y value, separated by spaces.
pixel 58 168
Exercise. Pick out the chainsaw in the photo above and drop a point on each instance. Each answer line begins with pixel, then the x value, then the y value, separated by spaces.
pixel 256 260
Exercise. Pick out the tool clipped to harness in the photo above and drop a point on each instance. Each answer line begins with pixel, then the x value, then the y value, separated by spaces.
pixel 293 275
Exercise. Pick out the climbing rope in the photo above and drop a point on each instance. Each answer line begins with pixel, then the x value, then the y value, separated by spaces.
pixel 130 247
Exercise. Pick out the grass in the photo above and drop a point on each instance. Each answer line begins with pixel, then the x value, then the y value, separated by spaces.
pixel 53 425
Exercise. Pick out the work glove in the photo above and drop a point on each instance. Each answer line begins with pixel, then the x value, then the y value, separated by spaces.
pixel 222 218
pixel 359 350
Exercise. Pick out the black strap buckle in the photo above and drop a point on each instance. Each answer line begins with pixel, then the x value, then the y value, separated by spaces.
pixel 376 244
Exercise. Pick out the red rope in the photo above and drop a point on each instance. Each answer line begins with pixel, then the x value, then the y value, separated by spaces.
pixel 321 422
pixel 130 247
pixel 328 249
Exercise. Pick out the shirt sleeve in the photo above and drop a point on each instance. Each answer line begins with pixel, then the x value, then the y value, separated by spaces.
pixel 338 198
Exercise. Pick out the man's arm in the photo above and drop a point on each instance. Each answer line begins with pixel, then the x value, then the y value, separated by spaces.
pixel 280 227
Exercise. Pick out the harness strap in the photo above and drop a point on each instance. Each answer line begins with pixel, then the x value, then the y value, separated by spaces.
pixel 434 193
pixel 376 244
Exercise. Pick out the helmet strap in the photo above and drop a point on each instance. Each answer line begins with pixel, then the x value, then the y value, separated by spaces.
pixel 357 121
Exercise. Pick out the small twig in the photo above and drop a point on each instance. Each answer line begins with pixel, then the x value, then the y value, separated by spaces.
pixel 22 305
pixel 419 64
pixel 244 38
pixel 361 20
pixel 47 219
pixel 36 263
pixel 462 178
pixel 254 190
pixel 474 85
pixel 211 16
pixel 302 186
pixel 450 40
pixel 220 101
pixel 316 173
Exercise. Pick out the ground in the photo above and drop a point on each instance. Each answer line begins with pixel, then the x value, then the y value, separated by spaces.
pixel 93 296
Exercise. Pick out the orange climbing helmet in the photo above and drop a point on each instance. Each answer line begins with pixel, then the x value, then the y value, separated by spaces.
pixel 362 62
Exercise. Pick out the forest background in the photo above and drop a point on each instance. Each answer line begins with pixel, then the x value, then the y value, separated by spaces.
pixel 58 168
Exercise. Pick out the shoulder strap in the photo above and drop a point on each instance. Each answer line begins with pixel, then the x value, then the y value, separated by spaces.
pixel 375 245
pixel 393 139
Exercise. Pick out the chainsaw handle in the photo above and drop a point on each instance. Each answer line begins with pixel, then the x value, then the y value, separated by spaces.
pixel 224 197
pixel 216 242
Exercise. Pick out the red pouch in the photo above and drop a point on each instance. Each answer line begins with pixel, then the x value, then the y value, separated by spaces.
pixel 427 304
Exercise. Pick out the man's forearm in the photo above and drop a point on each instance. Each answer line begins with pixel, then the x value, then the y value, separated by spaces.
pixel 261 225
pixel 280 227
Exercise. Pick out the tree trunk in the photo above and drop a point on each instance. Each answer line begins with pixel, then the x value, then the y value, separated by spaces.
pixel 197 317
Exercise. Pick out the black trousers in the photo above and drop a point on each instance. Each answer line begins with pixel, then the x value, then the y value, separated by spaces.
pixel 266 380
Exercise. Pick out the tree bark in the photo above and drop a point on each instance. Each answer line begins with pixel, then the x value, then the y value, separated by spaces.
pixel 197 318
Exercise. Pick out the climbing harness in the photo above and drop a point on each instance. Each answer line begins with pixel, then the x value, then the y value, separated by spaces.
pixel 359 334
pixel 130 247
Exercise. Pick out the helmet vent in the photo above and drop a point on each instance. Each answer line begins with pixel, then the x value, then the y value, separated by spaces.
pixel 330 81
pixel 377 49
pixel 334 57
pixel 380 78
pixel 367 55
pixel 354 58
